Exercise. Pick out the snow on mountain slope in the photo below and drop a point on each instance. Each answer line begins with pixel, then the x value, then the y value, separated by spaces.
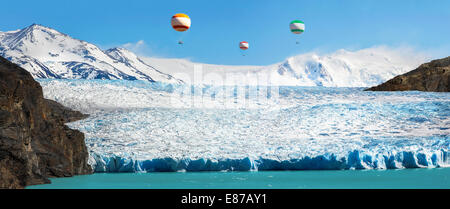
pixel 343 68
pixel 134 62
pixel 361 68
pixel 47 53
pixel 208 74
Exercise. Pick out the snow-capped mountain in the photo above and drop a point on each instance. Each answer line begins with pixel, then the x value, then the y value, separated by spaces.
pixel 342 68
pixel 47 53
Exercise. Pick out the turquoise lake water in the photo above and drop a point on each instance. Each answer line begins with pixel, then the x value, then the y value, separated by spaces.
pixel 437 178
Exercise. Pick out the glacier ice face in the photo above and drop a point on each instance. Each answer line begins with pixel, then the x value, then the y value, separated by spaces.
pixel 135 127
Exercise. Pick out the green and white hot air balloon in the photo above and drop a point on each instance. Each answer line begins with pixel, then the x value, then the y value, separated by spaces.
pixel 297 26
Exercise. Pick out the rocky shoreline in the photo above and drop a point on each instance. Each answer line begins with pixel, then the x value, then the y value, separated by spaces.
pixel 35 144
pixel 432 76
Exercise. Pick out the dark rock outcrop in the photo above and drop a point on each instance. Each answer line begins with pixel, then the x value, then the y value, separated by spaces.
pixel 34 142
pixel 432 76
pixel 68 115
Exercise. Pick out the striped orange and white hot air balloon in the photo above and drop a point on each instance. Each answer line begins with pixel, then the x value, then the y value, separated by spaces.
pixel 243 45
pixel 181 22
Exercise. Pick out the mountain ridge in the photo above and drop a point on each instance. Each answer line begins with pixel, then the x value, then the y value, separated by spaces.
pixel 48 53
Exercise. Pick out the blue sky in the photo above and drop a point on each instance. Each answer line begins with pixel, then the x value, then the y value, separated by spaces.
pixel 218 26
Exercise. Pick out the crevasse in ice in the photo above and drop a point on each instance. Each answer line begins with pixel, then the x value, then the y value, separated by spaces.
pixel 142 126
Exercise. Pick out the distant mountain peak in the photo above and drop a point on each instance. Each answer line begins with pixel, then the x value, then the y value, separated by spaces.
pixel 35 27
pixel 117 49
pixel 120 50
pixel 29 34
pixel 121 54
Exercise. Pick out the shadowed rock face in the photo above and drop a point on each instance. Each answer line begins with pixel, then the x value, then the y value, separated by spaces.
pixel 432 76
pixel 34 142
pixel 68 115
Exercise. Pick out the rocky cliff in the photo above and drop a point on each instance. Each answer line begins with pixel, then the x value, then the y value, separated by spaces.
pixel 431 76
pixel 34 142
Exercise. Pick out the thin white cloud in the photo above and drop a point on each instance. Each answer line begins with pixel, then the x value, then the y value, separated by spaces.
pixel 139 47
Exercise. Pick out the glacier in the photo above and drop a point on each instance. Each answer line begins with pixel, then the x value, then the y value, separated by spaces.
pixel 139 126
